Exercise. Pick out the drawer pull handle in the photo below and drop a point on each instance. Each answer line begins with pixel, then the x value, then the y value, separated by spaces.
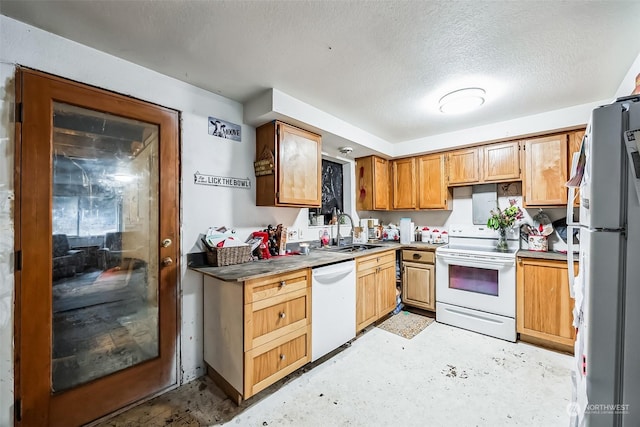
pixel 282 357
pixel 283 283
pixel 417 256
pixel 283 315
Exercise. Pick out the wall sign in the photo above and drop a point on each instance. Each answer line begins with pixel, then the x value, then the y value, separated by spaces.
pixel 265 165
pixel 221 181
pixel 224 129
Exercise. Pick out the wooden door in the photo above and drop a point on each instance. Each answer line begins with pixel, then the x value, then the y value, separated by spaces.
pixel 464 167
pixel 544 306
pixel 386 283
pixel 418 285
pixel 380 184
pixel 404 183
pixel 432 187
pixel 299 166
pixel 366 291
pixel 97 231
pixel 545 171
pixel 501 162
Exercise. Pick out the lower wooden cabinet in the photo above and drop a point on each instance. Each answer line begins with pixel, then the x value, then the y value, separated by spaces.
pixel 544 308
pixel 256 332
pixel 375 287
pixel 418 279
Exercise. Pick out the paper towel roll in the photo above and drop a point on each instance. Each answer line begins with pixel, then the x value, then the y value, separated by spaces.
pixel 405 230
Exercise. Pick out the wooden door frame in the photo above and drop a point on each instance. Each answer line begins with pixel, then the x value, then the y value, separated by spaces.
pixel 32 384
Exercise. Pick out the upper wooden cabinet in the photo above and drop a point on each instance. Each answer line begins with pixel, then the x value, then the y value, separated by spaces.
pixel 501 162
pixel 487 163
pixel 372 184
pixel 545 171
pixel 432 191
pixel 404 183
pixel 464 166
pixel 296 180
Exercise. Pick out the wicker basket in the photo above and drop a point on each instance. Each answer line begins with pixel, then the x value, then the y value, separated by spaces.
pixel 229 256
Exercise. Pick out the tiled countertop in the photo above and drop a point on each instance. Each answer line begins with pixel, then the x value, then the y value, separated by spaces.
pixel 284 264
pixel 559 256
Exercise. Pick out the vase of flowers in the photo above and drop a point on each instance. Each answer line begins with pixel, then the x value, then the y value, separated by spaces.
pixel 501 220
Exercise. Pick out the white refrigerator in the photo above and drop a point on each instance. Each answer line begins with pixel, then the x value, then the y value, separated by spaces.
pixel 606 376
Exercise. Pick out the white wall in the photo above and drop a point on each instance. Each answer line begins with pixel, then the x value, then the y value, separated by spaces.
pixel 6 245
pixel 628 84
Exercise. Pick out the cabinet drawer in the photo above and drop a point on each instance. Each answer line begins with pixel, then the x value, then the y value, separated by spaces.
pixel 266 364
pixel 373 261
pixel 272 286
pixel 271 318
pixel 418 256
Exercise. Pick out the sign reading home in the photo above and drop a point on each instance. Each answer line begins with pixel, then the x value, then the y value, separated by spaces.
pixel 224 129
pixel 221 181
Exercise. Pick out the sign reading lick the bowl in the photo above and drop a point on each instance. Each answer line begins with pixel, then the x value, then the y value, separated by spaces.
pixel 221 181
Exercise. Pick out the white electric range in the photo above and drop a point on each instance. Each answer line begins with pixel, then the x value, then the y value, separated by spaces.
pixel 476 283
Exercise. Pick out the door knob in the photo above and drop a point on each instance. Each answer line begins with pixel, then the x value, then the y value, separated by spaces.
pixel 167 261
pixel 166 243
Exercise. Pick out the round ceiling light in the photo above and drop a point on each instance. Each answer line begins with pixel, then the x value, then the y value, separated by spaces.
pixel 462 100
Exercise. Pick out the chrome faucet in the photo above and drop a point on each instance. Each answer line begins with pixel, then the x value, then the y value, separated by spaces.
pixel 338 232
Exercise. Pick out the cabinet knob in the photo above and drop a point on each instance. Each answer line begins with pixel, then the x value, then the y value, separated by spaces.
pixel 166 243
pixel 283 283
pixel 282 357
pixel 167 261
pixel 417 256
pixel 283 315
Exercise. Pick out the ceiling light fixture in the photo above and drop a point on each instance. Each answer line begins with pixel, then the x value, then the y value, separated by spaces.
pixel 462 100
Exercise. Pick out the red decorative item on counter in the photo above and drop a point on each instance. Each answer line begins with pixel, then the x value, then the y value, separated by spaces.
pixel 264 246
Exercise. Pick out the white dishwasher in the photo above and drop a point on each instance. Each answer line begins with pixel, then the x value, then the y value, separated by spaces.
pixel 333 307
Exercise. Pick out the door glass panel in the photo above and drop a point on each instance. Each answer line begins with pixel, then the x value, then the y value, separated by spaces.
pixel 473 279
pixel 105 234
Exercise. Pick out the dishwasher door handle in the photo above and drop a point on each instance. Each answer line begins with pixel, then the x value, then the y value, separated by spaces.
pixel 332 277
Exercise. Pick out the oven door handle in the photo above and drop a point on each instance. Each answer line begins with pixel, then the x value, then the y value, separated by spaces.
pixel 476 262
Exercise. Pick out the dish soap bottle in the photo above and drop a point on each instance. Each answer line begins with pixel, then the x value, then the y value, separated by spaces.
pixel 324 239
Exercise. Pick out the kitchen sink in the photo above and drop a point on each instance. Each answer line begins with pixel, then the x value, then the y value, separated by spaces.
pixel 352 248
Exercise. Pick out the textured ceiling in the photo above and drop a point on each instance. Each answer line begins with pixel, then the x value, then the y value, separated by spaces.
pixel 378 65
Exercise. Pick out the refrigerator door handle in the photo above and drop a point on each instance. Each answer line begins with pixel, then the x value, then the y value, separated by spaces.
pixel 570 270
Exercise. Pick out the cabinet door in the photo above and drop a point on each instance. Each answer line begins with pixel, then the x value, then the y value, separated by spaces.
pixel 544 307
pixel 432 187
pixel 418 285
pixel 386 283
pixel 464 167
pixel 501 162
pixel 380 184
pixel 366 288
pixel 545 171
pixel 404 178
pixel 575 141
pixel 299 167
